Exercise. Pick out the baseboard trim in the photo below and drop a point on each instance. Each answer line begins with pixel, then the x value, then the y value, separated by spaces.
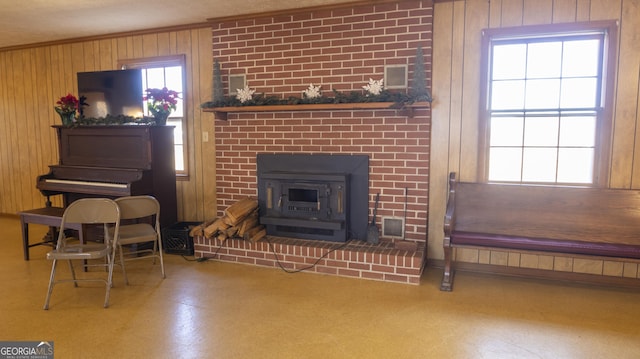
pixel 581 278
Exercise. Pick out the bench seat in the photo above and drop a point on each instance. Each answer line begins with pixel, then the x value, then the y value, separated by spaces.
pixel 569 220
pixel 473 239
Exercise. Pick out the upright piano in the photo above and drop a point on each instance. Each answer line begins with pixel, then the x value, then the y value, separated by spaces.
pixel 114 161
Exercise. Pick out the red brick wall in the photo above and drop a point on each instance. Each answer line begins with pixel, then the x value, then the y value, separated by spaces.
pixel 338 49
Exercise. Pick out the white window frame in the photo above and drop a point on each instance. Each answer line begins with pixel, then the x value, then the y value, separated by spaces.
pixel 604 104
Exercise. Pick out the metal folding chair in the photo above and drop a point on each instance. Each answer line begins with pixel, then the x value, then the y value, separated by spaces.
pixel 140 224
pixel 87 211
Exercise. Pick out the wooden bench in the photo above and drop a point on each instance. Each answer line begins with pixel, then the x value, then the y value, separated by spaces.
pixel 571 220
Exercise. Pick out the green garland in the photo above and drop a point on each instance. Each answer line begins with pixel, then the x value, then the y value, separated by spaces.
pixel 113 120
pixel 400 99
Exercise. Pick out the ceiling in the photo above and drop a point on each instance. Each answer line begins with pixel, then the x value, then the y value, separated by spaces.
pixel 38 21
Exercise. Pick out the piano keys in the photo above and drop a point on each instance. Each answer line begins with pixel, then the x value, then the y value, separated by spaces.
pixel 91 187
pixel 95 180
pixel 114 161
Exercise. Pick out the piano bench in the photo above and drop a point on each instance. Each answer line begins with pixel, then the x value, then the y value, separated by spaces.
pixel 48 216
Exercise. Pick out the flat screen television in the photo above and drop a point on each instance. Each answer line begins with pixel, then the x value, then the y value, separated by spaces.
pixel 117 92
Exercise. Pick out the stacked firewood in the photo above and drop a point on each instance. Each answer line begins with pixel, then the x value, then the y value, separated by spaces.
pixel 240 220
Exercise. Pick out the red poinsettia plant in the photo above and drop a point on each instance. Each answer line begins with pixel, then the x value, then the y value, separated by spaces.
pixel 161 100
pixel 67 104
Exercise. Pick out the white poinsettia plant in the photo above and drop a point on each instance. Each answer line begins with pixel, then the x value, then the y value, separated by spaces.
pixel 374 87
pixel 312 92
pixel 245 94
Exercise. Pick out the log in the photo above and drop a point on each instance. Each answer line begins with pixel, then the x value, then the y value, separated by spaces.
pixel 240 210
pixel 199 229
pixel 248 223
pixel 231 231
pixel 255 234
pixel 217 225
pixel 259 235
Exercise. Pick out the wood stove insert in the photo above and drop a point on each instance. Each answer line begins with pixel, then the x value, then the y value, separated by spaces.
pixel 322 197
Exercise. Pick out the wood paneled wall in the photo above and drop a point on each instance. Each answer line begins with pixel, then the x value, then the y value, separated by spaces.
pixel 456 73
pixel 32 79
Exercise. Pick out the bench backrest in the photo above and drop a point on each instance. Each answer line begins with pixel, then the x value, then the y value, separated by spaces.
pixel 584 214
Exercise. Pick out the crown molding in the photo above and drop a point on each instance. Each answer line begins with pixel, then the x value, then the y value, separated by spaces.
pixel 109 36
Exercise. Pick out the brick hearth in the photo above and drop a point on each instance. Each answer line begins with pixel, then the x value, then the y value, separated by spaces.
pixel 352 259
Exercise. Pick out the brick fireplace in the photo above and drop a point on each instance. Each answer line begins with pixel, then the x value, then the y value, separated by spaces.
pixel 338 48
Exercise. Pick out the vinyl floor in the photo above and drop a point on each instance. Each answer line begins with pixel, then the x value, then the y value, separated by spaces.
pixel 220 310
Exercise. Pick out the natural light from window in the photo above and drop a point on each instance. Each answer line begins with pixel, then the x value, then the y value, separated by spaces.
pixel 543 106
pixel 171 78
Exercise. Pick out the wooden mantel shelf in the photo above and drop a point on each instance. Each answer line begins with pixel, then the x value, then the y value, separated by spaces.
pixel 221 112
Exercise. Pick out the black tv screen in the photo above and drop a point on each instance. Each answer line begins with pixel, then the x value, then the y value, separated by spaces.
pixel 117 92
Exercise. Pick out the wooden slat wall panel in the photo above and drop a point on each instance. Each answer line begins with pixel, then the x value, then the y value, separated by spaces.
pixel 184 41
pixel 22 157
pixel 441 125
pixel 19 159
pixel 476 20
pixel 495 11
pixel 537 12
pixel 207 160
pixel 511 13
pixel 564 11
pixel 583 10
pixel 628 103
pixel 196 77
pixel 455 107
pixel 605 9
pixel 41 90
pixel 455 64
pixel 31 81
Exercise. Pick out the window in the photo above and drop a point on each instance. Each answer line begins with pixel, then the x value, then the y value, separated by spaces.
pixel 545 116
pixel 167 72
